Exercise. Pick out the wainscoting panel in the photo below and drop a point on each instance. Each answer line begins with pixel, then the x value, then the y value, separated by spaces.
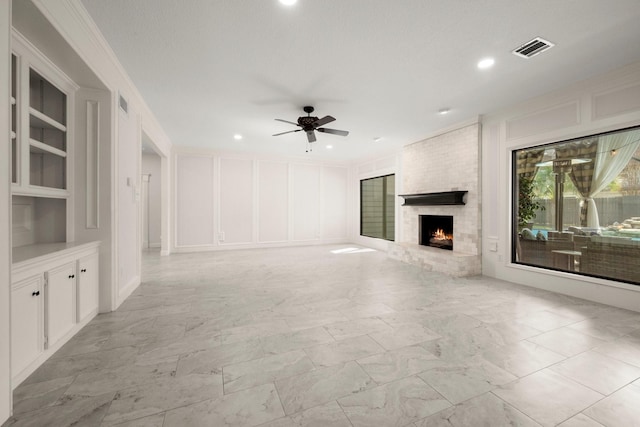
pixel 334 202
pixel 227 201
pixel 306 203
pixel 616 102
pixel 556 117
pixel 236 201
pixel 194 200
pixel 273 201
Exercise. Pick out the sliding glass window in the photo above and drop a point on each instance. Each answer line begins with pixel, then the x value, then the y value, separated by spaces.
pixel 577 206
pixel 377 207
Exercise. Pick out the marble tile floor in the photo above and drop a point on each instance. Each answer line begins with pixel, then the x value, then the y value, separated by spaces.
pixel 316 336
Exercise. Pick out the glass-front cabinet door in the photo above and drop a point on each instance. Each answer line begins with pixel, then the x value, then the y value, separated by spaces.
pixel 41 98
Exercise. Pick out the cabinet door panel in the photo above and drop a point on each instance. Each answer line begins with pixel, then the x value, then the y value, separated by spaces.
pixel 61 302
pixel 27 326
pixel 87 286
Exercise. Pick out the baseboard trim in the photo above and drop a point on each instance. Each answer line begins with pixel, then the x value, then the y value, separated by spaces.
pixel 127 290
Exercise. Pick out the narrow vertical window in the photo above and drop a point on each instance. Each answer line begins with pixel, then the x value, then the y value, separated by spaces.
pixel 377 207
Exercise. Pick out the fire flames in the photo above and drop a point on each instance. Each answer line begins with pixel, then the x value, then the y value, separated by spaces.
pixel 439 234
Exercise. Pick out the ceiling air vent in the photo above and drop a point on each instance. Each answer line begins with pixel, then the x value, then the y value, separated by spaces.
pixel 533 47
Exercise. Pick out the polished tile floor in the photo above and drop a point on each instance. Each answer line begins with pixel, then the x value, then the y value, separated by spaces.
pixel 337 336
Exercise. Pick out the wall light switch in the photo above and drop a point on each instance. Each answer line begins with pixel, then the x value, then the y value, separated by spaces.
pixel 493 246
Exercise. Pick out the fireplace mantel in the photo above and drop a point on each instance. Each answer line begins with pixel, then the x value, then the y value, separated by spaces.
pixel 434 199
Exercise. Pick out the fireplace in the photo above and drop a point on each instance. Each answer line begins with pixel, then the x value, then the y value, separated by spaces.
pixel 436 231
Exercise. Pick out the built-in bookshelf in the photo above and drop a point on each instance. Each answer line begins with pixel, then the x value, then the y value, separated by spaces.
pixel 41 102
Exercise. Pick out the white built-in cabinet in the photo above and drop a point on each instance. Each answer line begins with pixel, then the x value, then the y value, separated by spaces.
pixel 55 281
pixel 54 294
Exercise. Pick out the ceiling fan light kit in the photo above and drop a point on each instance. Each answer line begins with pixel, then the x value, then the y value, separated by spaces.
pixel 309 124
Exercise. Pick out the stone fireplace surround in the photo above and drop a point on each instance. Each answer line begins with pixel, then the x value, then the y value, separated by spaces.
pixel 447 162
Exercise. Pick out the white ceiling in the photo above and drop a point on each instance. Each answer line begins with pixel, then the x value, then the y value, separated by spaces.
pixel 209 69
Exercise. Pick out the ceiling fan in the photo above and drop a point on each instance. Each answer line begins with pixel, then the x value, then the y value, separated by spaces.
pixel 310 124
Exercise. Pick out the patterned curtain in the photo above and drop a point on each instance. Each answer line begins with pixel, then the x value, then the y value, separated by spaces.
pixel 608 166
pixel 526 162
pixel 582 173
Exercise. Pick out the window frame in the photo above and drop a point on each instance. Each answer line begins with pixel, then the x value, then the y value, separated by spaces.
pixel 384 206
pixel 515 199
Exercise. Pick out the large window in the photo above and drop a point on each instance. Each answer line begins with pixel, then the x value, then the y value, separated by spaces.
pixel 577 206
pixel 377 207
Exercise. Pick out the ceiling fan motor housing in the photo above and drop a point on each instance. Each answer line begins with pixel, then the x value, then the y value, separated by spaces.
pixel 307 122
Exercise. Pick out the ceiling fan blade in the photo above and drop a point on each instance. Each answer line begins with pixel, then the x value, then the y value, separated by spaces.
pixel 323 121
pixel 333 131
pixel 289 131
pixel 287 121
pixel 311 136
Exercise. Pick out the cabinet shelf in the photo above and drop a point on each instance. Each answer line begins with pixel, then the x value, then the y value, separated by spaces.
pixel 39 191
pixel 41 120
pixel 42 148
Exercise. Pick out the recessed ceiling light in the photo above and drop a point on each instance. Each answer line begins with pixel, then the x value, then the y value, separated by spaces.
pixel 288 2
pixel 486 63
pixel 237 137
pixel 329 147
pixel 377 139
pixel 443 111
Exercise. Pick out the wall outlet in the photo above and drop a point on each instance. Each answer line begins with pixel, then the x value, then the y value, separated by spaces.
pixel 221 236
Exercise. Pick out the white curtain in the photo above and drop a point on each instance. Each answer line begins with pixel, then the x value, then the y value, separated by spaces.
pixel 608 166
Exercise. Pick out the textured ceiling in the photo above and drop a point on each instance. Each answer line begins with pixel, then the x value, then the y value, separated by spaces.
pixel 212 68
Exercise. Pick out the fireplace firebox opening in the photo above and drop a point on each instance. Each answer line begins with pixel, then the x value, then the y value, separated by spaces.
pixel 436 231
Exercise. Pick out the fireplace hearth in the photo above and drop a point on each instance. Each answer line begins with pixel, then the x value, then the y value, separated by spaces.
pixel 436 231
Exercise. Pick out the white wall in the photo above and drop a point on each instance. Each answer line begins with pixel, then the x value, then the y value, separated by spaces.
pixel 233 200
pixel 5 227
pixel 604 103
pixel 93 214
pixel 151 166
pixel 128 202
pixel 162 145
